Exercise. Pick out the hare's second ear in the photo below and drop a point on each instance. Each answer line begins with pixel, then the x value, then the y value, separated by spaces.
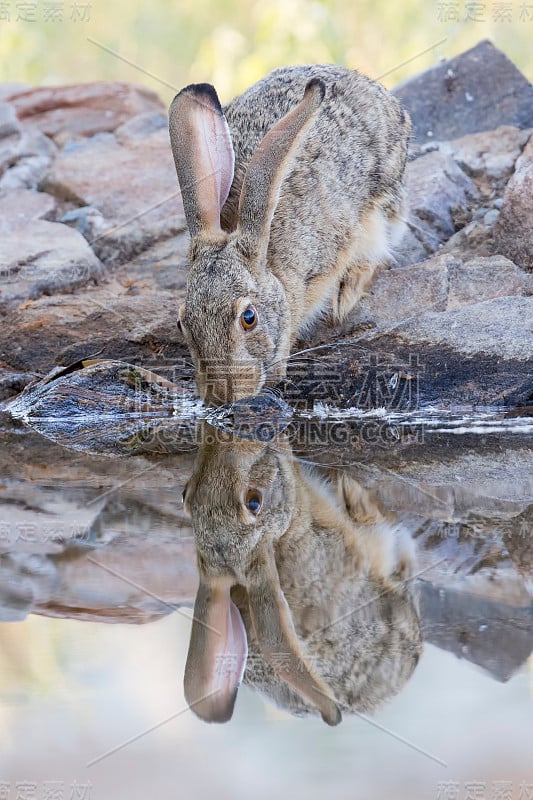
pixel 203 155
pixel 217 654
pixel 268 167
pixel 278 642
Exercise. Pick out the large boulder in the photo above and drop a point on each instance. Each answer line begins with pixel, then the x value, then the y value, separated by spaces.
pixel 478 90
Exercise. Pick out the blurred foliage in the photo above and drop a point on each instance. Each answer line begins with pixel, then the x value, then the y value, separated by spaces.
pixel 232 43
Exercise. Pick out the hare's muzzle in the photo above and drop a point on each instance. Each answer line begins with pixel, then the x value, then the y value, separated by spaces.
pixel 234 384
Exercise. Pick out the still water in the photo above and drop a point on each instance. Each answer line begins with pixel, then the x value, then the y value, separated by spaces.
pixel 270 572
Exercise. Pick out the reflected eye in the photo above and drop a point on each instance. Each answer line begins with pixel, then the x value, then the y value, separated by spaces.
pixel 249 318
pixel 253 501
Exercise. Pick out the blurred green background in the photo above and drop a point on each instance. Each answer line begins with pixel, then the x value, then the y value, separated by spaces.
pixel 232 43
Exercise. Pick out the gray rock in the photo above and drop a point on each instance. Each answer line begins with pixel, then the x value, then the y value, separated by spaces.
pixel 490 155
pixel 20 146
pixel 141 126
pixel 43 257
pixel 87 220
pixel 19 206
pixel 398 294
pixel 514 228
pixel 502 327
pixel 439 101
pixel 131 183
pixel 27 173
pixel 482 279
pixel 440 283
pixel 437 191
pixel 485 631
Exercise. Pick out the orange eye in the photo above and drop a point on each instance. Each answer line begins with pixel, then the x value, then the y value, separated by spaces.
pixel 249 318
pixel 253 501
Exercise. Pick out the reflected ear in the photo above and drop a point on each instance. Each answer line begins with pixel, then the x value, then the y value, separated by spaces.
pixel 278 642
pixel 269 165
pixel 203 155
pixel 217 653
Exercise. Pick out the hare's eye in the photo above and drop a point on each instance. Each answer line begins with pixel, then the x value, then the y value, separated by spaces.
pixel 180 326
pixel 253 501
pixel 249 318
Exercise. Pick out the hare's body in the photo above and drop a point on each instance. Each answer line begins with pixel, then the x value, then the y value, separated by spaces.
pixel 319 602
pixel 340 209
pixel 292 198
pixel 344 580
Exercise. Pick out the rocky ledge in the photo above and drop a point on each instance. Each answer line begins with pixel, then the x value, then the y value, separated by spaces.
pixel 93 241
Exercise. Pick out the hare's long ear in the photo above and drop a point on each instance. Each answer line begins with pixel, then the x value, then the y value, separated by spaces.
pixel 217 654
pixel 203 155
pixel 269 165
pixel 277 639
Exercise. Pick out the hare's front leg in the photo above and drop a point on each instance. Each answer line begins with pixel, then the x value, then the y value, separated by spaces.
pixel 386 543
pixel 351 287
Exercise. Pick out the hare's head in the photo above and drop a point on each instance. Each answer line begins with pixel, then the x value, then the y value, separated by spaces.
pixel 236 318
pixel 242 499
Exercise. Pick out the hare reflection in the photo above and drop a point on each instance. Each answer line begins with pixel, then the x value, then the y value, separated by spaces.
pixel 303 590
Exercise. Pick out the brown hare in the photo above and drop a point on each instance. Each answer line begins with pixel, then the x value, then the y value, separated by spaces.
pixel 293 196
pixel 302 588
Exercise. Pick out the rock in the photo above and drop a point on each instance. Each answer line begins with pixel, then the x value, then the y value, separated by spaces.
pixel 514 228
pixel 26 174
pixel 139 127
pixel 437 191
pixel 478 90
pixel 109 320
pixel 24 160
pixel 22 145
pixel 489 156
pixel 9 123
pixel 475 240
pixel 477 355
pixel 482 279
pixel 21 206
pixel 12 383
pixel 9 89
pixel 87 220
pixel 502 327
pixel 440 283
pixel 398 294
pixel 130 180
pixel 485 631
pixel 85 108
pixel 42 257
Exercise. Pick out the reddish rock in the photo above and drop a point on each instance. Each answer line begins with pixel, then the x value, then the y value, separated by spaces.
pixel 84 108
